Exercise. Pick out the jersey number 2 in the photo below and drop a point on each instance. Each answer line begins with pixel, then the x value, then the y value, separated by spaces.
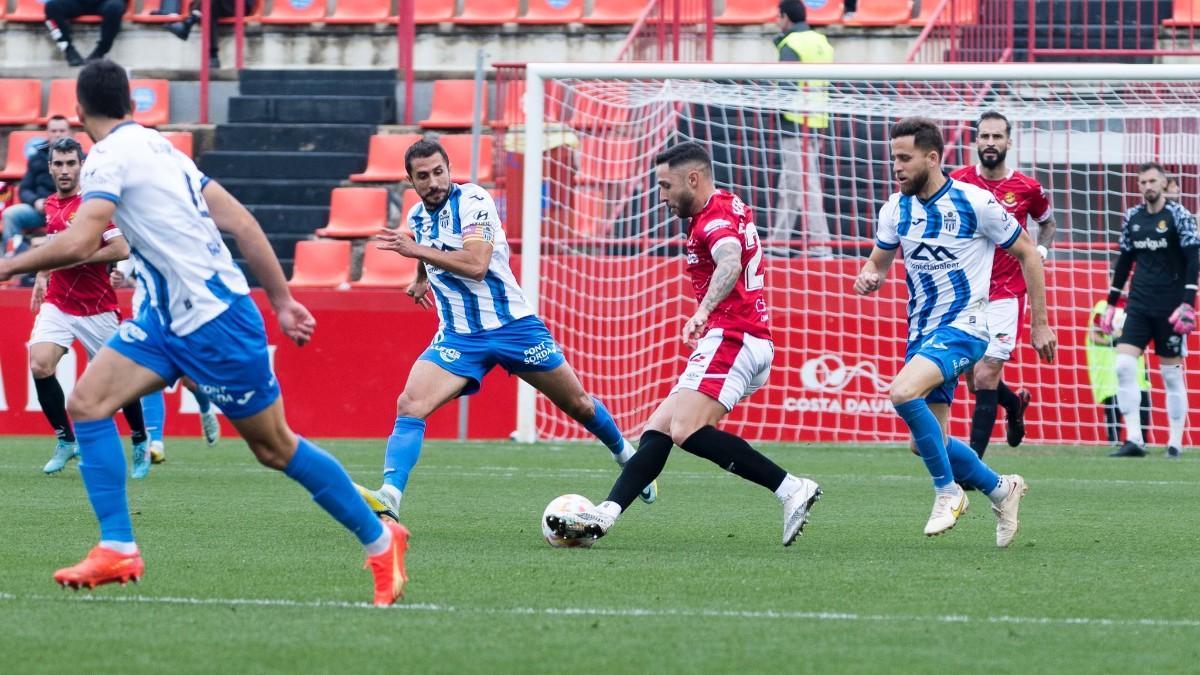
pixel 753 271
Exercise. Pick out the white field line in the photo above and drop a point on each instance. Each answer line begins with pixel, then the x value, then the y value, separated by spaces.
pixel 771 615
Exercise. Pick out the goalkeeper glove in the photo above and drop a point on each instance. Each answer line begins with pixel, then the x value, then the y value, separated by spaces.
pixel 1106 321
pixel 1183 319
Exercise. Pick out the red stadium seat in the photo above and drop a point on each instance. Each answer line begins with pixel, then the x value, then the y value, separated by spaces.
pixel 1186 13
pixel 151 102
pixel 453 105
pixel 85 141
pixel 295 12
pixel 609 12
pixel 385 269
pixel 20 101
pixel 323 263
pixel 830 11
pixel 253 17
pixel 544 12
pixel 881 13
pixel 385 158
pixel 747 12
pixel 458 147
pixel 145 15
pixel 182 140
pixel 356 212
pixel 959 13
pixel 20 145
pixel 360 12
pixel 426 12
pixel 593 108
pixel 604 160
pixel 488 12
pixel 62 101
pixel 28 11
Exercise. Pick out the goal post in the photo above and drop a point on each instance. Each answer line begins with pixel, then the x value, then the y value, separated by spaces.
pixel 601 259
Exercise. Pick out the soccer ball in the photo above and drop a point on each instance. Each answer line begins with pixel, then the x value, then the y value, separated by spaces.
pixel 566 504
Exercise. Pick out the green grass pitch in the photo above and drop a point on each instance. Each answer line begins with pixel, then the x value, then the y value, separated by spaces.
pixel 245 574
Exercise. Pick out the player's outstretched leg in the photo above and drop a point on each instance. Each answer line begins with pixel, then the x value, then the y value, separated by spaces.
pixel 1005 492
pixel 54 406
pixel 154 410
pixel 1015 404
pixel 141 441
pixel 603 427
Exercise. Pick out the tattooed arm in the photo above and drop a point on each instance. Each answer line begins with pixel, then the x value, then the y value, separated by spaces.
pixel 728 256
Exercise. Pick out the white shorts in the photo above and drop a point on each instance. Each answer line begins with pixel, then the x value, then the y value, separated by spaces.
pixel 1004 319
pixel 727 366
pixel 56 326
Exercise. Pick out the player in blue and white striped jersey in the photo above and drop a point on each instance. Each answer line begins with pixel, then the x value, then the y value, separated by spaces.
pixel 485 321
pixel 949 231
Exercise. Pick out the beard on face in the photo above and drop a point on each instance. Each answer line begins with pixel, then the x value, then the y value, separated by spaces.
pixel 916 183
pixel 686 205
pixel 991 161
pixel 1151 196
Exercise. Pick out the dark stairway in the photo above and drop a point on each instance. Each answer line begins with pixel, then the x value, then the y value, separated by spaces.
pixel 292 136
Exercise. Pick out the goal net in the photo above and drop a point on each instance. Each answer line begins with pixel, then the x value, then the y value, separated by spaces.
pixel 603 257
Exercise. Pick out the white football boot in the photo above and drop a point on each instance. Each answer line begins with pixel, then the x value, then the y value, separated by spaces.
pixel 947 509
pixel 211 427
pixel 592 523
pixel 1006 510
pixel 385 501
pixel 796 508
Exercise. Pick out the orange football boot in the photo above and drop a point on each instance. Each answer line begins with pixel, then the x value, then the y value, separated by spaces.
pixel 102 566
pixel 388 567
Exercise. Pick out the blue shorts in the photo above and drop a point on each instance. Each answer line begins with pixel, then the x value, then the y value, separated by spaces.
pixel 227 357
pixel 953 351
pixel 521 346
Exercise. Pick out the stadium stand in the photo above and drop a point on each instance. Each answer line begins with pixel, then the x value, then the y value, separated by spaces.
pixel 964 12
pixel 182 140
pixel 458 147
pixel 151 101
pixel 84 140
pixel 360 12
pixel 385 269
pixel 609 12
pixel 1184 13
pixel 62 101
pixel 488 12
pixel 881 13
pixel 746 12
pixel 295 12
pixel 548 12
pixel 356 212
pixel 322 263
pixel 20 101
pixel 385 158
pixel 428 12
pixel 18 149
pixel 453 105
pixel 826 13
pixel 147 13
pixel 27 11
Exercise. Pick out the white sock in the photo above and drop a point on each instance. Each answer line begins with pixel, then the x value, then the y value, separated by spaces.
pixel 609 509
pixel 951 489
pixel 626 453
pixel 787 488
pixel 391 492
pixel 1176 403
pixel 122 547
pixel 1129 397
pixel 381 544
pixel 1000 492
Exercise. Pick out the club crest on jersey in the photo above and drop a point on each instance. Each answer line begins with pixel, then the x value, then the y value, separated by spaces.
pixel 1010 199
pixel 1160 227
pixel 950 221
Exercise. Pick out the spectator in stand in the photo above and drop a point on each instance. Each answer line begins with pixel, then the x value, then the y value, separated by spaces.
pixel 1102 374
pixel 800 139
pixel 58 21
pixel 30 214
pixel 223 8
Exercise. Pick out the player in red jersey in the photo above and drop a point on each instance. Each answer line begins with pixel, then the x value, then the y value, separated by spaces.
pixel 1024 198
pixel 731 336
pixel 75 303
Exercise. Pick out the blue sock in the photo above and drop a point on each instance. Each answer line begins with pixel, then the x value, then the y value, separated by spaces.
pixel 202 400
pixel 603 427
pixel 403 451
pixel 102 465
pixel 154 411
pixel 969 469
pixel 928 436
pixel 332 489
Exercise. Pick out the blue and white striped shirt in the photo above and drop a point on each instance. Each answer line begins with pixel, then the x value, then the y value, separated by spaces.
pixel 466 305
pixel 948 243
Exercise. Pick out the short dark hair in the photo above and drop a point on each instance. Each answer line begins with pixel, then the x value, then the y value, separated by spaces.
pixel 1147 166
pixel 102 89
pixel 67 145
pixel 794 10
pixel 925 132
pixel 422 149
pixel 57 118
pixel 684 153
pixel 993 115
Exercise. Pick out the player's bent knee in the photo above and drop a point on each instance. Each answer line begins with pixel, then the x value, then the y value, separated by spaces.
pixel 901 393
pixel 407 406
pixel 41 369
pixel 84 406
pixel 581 409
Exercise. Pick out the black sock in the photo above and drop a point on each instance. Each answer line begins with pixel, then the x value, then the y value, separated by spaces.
pixel 1009 399
pixel 983 420
pixel 137 424
pixel 1112 420
pixel 642 468
pixel 54 405
pixel 736 456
